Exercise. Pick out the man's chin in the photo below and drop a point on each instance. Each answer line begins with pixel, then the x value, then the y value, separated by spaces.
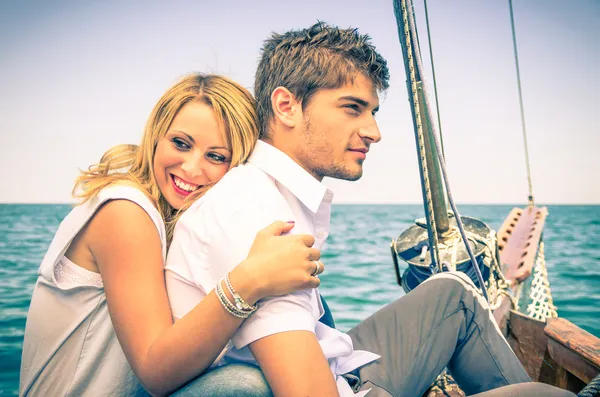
pixel 355 177
pixel 347 175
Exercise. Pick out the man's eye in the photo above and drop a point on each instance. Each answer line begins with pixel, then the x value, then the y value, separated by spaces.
pixel 180 144
pixel 353 107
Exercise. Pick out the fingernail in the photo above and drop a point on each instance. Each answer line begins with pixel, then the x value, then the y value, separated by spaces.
pixel 291 221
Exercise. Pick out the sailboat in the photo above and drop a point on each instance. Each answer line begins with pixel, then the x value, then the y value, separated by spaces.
pixel 508 265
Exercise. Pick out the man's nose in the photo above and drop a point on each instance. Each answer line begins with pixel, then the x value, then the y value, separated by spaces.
pixel 370 132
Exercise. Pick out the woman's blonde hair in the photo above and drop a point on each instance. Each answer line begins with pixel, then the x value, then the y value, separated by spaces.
pixel 235 110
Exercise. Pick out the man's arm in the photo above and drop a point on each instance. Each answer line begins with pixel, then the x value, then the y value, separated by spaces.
pixel 281 333
pixel 294 365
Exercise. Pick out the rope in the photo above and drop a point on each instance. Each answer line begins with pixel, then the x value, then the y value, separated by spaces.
pixel 541 306
pixel 592 389
pixel 445 385
pixel 514 37
pixel 498 286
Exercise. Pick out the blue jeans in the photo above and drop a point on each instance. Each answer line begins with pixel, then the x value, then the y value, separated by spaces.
pixel 233 380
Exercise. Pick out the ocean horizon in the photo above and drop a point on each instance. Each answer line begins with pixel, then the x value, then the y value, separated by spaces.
pixel 558 204
pixel 359 278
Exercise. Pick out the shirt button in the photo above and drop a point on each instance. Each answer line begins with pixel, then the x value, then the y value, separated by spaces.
pixel 320 235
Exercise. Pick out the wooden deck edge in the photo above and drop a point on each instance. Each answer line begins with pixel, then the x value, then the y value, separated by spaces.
pixel 573 348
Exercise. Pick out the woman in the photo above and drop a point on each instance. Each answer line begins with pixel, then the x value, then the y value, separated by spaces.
pixel 99 315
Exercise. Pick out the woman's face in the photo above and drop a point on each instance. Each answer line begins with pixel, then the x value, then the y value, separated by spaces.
pixel 192 154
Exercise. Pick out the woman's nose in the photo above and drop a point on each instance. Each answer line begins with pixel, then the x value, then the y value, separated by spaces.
pixel 192 167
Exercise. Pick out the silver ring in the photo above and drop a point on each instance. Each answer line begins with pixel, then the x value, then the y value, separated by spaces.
pixel 317 268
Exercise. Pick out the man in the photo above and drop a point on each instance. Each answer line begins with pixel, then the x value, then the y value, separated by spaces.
pixel 317 96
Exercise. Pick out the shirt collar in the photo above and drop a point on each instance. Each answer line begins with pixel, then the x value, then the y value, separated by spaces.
pixel 290 174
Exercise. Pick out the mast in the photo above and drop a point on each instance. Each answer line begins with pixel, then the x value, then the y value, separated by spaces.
pixel 463 243
pixel 432 187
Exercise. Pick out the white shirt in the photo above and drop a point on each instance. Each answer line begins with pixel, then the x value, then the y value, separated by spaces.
pixel 216 233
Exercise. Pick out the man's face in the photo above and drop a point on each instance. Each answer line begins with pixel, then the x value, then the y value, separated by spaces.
pixel 338 128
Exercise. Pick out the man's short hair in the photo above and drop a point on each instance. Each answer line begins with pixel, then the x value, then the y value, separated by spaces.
pixel 321 56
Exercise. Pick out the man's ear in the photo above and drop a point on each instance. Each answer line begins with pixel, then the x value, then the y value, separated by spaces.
pixel 285 106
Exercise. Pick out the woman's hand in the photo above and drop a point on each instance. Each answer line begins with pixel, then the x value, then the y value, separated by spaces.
pixel 277 265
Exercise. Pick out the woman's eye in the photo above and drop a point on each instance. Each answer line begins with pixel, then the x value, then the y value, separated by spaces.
pixel 180 144
pixel 217 158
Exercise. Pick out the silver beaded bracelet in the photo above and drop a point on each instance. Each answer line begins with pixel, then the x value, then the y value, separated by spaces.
pixel 228 306
pixel 240 303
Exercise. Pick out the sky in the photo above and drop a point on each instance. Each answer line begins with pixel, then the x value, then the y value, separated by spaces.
pixel 78 77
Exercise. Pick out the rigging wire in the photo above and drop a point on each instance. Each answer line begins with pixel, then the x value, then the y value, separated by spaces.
pixel 435 91
pixel 514 37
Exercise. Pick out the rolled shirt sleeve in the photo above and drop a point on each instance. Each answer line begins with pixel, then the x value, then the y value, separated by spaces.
pixel 230 245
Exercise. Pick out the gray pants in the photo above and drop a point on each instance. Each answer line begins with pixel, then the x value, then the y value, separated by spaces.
pixel 443 323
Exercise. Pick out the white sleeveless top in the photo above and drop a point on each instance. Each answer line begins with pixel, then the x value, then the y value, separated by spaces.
pixel 70 346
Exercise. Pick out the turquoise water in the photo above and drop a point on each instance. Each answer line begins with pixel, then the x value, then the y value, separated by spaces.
pixel 359 278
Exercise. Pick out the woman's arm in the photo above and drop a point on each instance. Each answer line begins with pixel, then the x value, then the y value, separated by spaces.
pixel 163 355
